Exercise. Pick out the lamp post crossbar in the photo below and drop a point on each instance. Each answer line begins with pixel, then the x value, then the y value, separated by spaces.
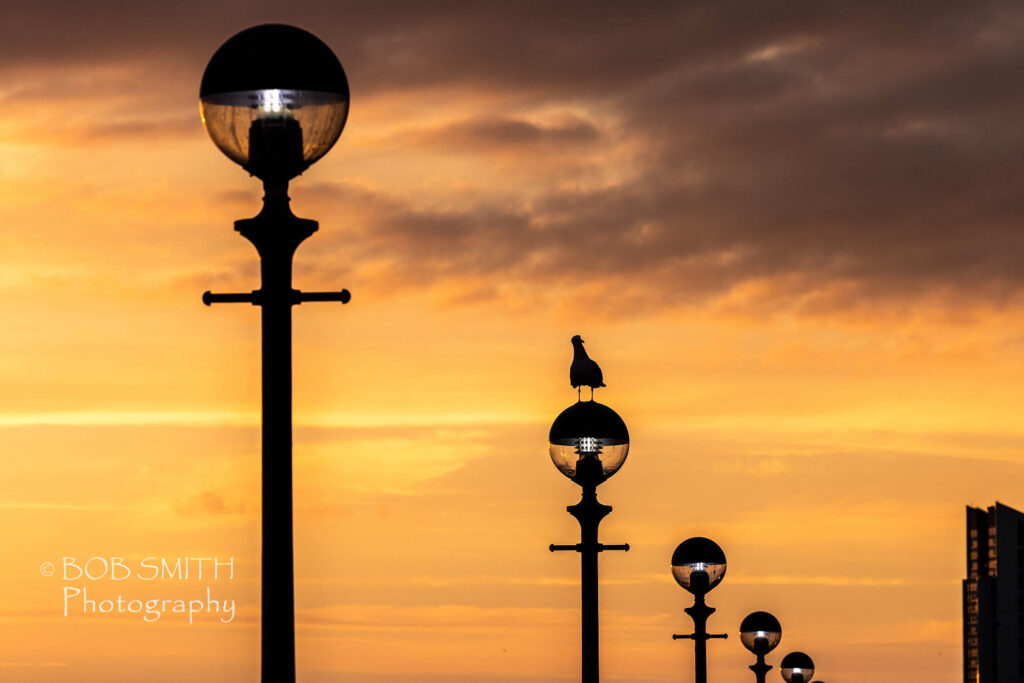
pixel 255 297
pixel 578 547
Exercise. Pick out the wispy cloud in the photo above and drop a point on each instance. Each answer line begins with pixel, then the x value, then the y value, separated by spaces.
pixel 56 505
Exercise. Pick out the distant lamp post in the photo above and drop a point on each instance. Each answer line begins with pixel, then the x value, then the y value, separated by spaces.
pixel 760 633
pixel 274 99
pixel 796 667
pixel 698 565
pixel 588 443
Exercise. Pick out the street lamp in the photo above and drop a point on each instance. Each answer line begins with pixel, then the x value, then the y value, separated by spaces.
pixel 796 667
pixel 274 99
pixel 588 443
pixel 760 633
pixel 698 565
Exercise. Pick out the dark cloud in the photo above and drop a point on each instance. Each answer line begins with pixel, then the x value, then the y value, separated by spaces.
pixel 842 151
pixel 506 133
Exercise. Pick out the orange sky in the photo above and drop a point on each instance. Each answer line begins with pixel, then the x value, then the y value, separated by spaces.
pixel 788 240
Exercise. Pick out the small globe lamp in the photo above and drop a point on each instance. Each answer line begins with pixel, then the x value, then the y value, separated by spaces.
pixel 588 443
pixel 796 667
pixel 760 633
pixel 698 565
pixel 274 99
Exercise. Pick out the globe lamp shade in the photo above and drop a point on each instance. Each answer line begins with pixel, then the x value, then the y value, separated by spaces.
pixel 274 98
pixel 796 667
pixel 760 632
pixel 586 434
pixel 698 564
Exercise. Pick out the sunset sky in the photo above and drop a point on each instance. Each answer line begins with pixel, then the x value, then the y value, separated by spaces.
pixel 792 234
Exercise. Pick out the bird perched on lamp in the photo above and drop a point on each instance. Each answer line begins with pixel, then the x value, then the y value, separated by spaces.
pixel 583 372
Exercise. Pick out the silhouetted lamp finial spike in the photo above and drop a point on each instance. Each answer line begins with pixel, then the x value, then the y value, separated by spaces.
pixel 583 372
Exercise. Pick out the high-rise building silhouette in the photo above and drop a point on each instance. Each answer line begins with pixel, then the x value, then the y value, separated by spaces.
pixel 993 596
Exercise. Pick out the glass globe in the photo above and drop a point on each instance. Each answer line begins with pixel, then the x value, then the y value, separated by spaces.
pixel 796 667
pixel 698 564
pixel 760 632
pixel 588 430
pixel 274 98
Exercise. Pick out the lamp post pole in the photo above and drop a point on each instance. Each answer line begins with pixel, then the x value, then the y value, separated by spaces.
pixel 589 512
pixel 700 612
pixel 276 233
pixel 760 669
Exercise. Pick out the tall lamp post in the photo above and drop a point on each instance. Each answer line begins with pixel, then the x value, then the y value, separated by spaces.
pixel 796 667
pixel 760 633
pixel 274 99
pixel 698 565
pixel 588 443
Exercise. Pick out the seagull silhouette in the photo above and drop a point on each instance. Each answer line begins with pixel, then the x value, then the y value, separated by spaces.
pixel 583 372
